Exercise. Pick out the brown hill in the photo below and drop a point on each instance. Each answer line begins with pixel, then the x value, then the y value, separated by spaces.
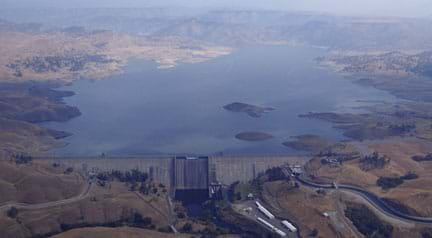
pixel 35 183
pixel 121 232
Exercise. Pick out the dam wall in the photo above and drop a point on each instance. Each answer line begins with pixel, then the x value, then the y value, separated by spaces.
pixel 225 169
pixel 191 174
pixel 228 170
pixel 158 168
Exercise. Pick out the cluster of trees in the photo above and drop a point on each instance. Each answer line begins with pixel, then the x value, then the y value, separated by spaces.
pixel 135 179
pixel 12 212
pixel 402 128
pixel 187 227
pixel 367 222
pixel 165 229
pixel 409 176
pixel 56 63
pixel 22 159
pixel 389 182
pixel 426 233
pixel 270 175
pixel 392 182
pixel 276 174
pixel 69 170
pixel 231 193
pixel 420 158
pixel 125 177
pixel 373 161
pixel 340 158
pixel 135 219
pixel 397 205
pixel 147 188
pixel 327 153
pixel 209 231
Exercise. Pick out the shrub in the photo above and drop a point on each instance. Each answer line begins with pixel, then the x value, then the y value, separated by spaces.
pixel 165 229
pixel 388 182
pixel 181 215
pixel 374 161
pixel 231 191
pixel 23 159
pixel 426 233
pixel 12 212
pixel 139 221
pixel 392 182
pixel 68 170
pixel 409 176
pixel 275 174
pixel 187 227
pixel 314 233
pixel 420 158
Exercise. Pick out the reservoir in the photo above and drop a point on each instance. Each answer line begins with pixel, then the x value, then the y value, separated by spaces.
pixel 147 110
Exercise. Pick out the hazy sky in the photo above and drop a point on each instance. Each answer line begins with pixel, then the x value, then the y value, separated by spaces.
pixel 413 8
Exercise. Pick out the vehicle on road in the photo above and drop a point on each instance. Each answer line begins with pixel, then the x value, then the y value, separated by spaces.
pixel 289 226
pixel 262 209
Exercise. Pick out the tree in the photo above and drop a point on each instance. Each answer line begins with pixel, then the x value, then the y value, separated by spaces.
pixel 181 215
pixel 23 159
pixel 314 232
pixel 139 221
pixel 238 196
pixel 69 170
pixel 275 174
pixel 12 212
pixel 187 227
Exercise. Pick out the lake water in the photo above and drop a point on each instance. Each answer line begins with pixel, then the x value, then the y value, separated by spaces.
pixel 147 110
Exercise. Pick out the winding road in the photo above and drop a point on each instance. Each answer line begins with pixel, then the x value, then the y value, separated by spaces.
pixel 371 198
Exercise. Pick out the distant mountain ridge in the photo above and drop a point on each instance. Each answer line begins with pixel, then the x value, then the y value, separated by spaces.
pixel 6 26
pixel 235 27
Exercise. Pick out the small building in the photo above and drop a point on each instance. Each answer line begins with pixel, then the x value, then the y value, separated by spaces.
pixel 250 196
pixel 296 169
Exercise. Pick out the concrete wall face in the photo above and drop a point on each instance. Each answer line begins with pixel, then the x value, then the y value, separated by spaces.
pixel 158 168
pixel 231 169
pixel 191 174
pixel 187 175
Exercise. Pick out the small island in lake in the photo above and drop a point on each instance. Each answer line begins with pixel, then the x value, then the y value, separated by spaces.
pixel 253 136
pixel 251 110
pixel 310 143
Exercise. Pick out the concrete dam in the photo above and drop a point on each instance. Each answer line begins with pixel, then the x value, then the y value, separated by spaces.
pixel 182 173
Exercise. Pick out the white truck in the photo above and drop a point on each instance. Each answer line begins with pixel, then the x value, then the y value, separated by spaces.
pixel 289 226
pixel 264 210
pixel 266 223
pixel 279 232
pixel 271 227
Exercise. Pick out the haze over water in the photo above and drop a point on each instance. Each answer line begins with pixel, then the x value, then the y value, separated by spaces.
pixel 147 110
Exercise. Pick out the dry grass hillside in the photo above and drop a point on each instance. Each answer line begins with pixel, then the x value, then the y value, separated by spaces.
pixel 111 205
pixel 22 104
pixel 17 136
pixel 37 183
pixel 122 232
pixel 414 194
pixel 305 207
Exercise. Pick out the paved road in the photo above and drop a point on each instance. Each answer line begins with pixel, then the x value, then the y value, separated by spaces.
pixel 250 210
pixel 81 196
pixel 371 198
